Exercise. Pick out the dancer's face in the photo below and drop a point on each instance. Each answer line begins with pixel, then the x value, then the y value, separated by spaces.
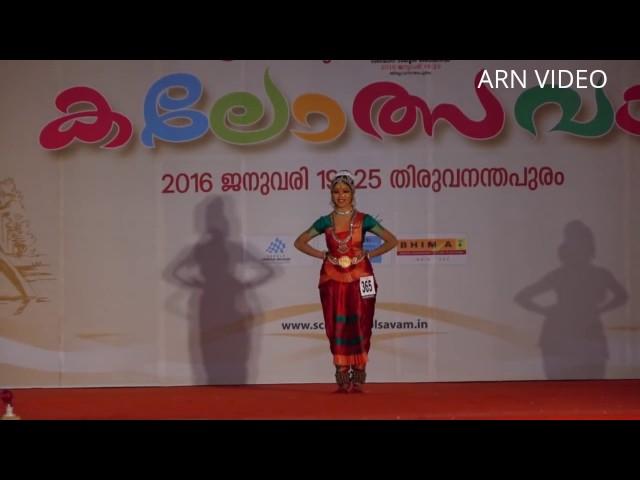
pixel 342 196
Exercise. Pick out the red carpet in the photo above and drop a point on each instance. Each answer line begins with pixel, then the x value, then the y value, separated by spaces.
pixel 593 399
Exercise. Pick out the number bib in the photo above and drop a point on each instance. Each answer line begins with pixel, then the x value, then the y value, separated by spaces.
pixel 367 287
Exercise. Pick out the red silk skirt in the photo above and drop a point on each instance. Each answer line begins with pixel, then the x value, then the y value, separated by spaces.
pixel 348 320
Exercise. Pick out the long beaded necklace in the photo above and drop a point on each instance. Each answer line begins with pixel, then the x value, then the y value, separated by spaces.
pixel 343 244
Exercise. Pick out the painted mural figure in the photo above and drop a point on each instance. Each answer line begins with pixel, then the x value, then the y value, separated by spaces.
pixel 13 239
pixel 347 283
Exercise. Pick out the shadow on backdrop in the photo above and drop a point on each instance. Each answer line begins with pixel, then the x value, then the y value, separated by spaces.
pixel 573 341
pixel 221 302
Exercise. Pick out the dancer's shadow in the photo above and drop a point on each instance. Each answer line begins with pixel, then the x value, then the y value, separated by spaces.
pixel 572 340
pixel 221 302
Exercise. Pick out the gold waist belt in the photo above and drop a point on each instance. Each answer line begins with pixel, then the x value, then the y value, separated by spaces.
pixel 345 261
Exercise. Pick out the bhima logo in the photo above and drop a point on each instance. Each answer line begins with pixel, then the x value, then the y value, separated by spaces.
pixel 276 247
pixel 432 246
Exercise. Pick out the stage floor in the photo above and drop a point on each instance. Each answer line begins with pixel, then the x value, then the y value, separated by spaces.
pixel 592 399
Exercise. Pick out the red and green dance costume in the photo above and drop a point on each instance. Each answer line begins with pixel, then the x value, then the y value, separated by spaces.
pixel 348 317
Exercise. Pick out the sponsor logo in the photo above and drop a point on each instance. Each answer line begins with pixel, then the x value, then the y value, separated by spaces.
pixel 432 246
pixel 276 247
pixel 276 251
pixel 432 249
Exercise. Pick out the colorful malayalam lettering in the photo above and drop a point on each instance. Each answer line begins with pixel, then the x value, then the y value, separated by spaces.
pixel 176 119
pixel 623 118
pixel 400 99
pixel 252 113
pixel 570 103
pixel 61 132
pixel 157 124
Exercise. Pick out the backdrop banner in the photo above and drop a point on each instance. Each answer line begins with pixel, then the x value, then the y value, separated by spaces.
pixel 148 211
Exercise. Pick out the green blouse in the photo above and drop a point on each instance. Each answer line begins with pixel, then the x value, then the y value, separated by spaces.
pixel 369 224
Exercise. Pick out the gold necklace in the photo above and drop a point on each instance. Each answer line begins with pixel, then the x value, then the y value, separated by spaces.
pixel 342 244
